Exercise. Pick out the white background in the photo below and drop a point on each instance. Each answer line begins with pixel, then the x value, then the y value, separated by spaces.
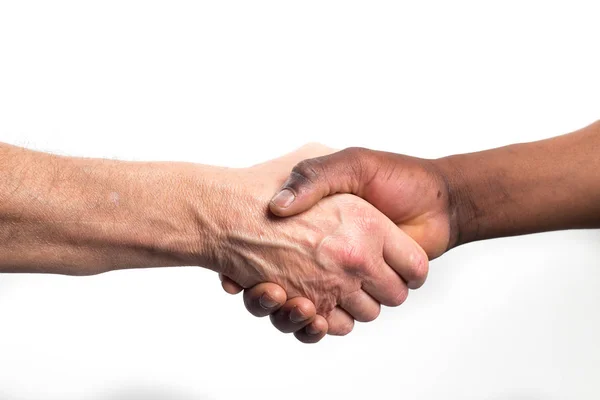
pixel 236 83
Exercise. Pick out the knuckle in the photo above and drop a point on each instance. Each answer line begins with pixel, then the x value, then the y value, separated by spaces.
pixel 371 316
pixel 356 151
pixel 345 328
pixel 420 268
pixel 369 224
pixel 399 298
pixel 358 158
pixel 351 255
pixel 325 304
pixel 309 169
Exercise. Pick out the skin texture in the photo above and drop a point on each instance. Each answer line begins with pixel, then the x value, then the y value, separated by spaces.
pixel 376 257
pixel 524 188
pixel 410 191
pixel 383 179
pixel 77 216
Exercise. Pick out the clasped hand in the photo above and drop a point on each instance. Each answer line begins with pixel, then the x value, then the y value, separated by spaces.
pixel 316 261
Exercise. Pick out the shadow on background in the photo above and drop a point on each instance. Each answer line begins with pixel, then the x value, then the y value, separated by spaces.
pixel 124 393
pixel 149 393
pixel 515 396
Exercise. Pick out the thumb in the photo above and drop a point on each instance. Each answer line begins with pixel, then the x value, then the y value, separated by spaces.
pixel 315 178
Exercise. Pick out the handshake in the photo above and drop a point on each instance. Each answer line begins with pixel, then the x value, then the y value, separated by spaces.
pixel 316 248
pixel 345 233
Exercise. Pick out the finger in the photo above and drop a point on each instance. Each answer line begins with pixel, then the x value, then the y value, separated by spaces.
pixel 315 178
pixel 340 322
pixel 385 285
pixel 264 299
pixel 313 332
pixel 361 306
pixel 406 257
pixel 230 286
pixel 294 315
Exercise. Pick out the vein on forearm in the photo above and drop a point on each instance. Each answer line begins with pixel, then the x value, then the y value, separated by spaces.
pixel 82 216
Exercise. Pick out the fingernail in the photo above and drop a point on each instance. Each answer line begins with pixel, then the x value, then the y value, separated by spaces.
pixel 296 315
pixel 311 330
pixel 267 302
pixel 284 198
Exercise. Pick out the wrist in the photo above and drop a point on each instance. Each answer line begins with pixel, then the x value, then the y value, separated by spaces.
pixel 455 172
pixel 155 209
pixel 171 214
pixel 206 196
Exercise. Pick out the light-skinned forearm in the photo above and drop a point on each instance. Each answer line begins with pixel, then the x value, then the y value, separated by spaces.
pixel 552 184
pixel 85 216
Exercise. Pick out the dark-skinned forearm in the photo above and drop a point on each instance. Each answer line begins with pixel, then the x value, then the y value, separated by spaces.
pixel 552 184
